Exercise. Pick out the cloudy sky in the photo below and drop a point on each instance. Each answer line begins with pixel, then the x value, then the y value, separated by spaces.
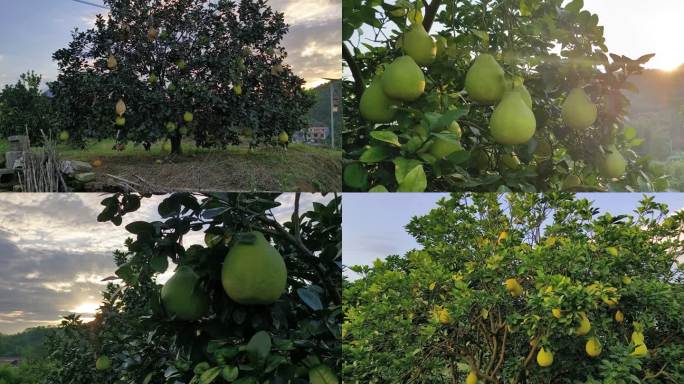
pixel 373 223
pixel 31 30
pixel 54 253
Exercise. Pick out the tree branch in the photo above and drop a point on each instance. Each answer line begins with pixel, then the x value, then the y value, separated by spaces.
pixel 430 13
pixel 359 85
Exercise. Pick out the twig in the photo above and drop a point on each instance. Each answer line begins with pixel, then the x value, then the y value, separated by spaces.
pixel 359 85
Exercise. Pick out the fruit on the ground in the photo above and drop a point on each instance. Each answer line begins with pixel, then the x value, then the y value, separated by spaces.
pixel 585 325
pixel 322 374
pixel 120 121
pixel 619 316
pixel 472 378
pixel 166 147
pixel 254 272
pixel 613 165
pixel 571 182
pixel 556 312
pixel 103 363
pixel 578 111
pixel 152 33
pixel 170 126
pixel 418 44
pixel 64 135
pixel 237 89
pixel 524 94
pixel 513 287
pixel 120 107
pixel 512 122
pixel 509 161
pixel 283 137
pixel 544 358
pixel 187 117
pixel 183 297
pixel 183 130
pixel 111 61
pixel 593 347
pixel 181 64
pixel 403 79
pixel 153 78
pixel 485 80
pixel 375 106
pixel 441 148
pixel 97 163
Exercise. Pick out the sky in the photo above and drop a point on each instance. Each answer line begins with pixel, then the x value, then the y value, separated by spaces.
pixel 31 30
pixel 373 223
pixel 54 253
pixel 633 28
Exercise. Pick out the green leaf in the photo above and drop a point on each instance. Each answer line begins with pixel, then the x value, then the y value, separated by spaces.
pixel 159 263
pixel 322 374
pixel 482 35
pixel 575 6
pixel 230 373
pixel 356 176
pixel 414 181
pixel 629 133
pixel 126 273
pixel 148 378
pixel 259 345
pixel 387 137
pixel 140 227
pixel 210 375
pixel 375 154
pixel 378 188
pixel 403 166
pixel 310 297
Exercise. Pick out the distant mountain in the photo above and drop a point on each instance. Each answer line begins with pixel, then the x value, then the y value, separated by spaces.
pixel 657 111
pixel 23 342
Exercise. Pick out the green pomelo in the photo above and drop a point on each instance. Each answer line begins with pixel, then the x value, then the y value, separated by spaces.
pixel 187 117
pixel 167 146
pixel 120 121
pixel 64 135
pixel 403 79
pixel 512 121
pixel 485 80
pixel 524 94
pixel 182 297
pixel 442 45
pixel 510 161
pixel 418 44
pixel 283 137
pixel 103 363
pixel 578 111
pixel 441 148
pixel 613 165
pixel 254 274
pixel 571 182
pixel 375 106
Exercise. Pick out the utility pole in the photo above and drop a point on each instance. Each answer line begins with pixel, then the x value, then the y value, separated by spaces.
pixel 332 112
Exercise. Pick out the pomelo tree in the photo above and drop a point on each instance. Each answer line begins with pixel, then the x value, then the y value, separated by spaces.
pixel 157 70
pixel 427 103
pixel 153 334
pixel 497 279
pixel 24 107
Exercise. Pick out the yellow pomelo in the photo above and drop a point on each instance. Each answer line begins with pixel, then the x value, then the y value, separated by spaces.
pixel 120 107
pixel 485 80
pixel 640 350
pixel 626 280
pixel 103 363
pixel 556 312
pixel 619 316
pixel 512 122
pixel 441 148
pixel 418 44
pixel 571 182
pixel 254 273
pixel 637 337
pixel 237 89
pixel 283 137
pixel 593 347
pixel 585 325
pixel 513 287
pixel 613 165
pixel 183 297
pixel 111 62
pixel 375 106
pixel 578 111
pixel 544 358
pixel 444 316
pixel 472 378
pixel 403 79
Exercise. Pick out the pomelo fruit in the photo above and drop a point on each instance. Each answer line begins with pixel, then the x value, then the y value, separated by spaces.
pixel 578 111
pixel 418 44
pixel 613 165
pixel 403 79
pixel 619 316
pixel 441 148
pixel 64 135
pixel 513 287
pixel 375 106
pixel 570 182
pixel 472 378
pixel 120 107
pixel 97 163
pixel 111 61
pixel 183 297
pixel 544 358
pixel 485 80
pixel 524 94
pixel 103 363
pixel 556 312
pixel 593 347
pixel 120 121
pixel 442 45
pixel 509 161
pixel 585 325
pixel 187 117
pixel 166 147
pixel 283 137
pixel 237 89
pixel 254 273
pixel 512 122
pixel 170 126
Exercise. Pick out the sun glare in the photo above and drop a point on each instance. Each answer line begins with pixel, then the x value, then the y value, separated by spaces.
pixel 86 308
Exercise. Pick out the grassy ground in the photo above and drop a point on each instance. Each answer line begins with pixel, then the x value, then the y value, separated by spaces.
pixel 301 167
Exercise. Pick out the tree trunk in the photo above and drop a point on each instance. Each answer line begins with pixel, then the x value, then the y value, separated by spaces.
pixel 176 145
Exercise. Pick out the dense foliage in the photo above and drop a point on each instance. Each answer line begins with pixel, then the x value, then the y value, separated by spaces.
pixel 22 342
pixel 286 342
pixel 220 61
pixel 548 48
pixel 25 108
pixel 498 278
